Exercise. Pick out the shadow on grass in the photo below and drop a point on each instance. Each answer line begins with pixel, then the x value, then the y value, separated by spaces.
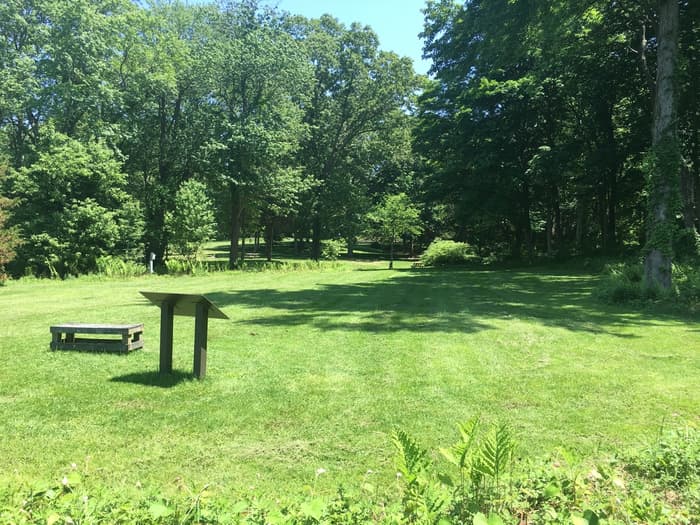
pixel 154 378
pixel 429 300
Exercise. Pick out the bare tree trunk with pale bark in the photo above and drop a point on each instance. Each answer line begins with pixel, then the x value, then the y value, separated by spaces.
pixel 663 180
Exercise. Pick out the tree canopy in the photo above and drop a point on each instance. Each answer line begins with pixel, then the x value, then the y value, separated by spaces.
pixel 530 138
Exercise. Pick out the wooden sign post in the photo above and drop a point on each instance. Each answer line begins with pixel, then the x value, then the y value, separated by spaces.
pixel 197 306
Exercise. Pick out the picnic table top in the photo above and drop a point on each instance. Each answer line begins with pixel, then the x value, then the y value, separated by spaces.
pixel 96 328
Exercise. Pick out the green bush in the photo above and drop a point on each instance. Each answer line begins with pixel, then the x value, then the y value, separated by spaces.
pixel 686 279
pixel 76 205
pixel 446 253
pixel 624 283
pixel 332 249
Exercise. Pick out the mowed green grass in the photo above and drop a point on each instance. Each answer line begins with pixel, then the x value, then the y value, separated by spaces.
pixel 317 367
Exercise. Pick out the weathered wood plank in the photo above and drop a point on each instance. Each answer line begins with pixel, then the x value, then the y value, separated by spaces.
pixel 80 328
pixel 63 337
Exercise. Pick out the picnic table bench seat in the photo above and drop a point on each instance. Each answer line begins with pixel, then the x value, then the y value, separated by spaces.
pixel 64 337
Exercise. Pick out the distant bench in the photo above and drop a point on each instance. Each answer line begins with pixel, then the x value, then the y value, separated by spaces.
pixel 63 337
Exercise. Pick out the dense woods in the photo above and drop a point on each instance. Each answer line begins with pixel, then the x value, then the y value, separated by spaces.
pixel 537 128
pixel 546 129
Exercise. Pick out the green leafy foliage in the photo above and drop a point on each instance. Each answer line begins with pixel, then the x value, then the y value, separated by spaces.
pixel 658 485
pixel 623 283
pixel 394 218
pixel 447 253
pixel 111 266
pixel 75 207
pixel 9 238
pixel 192 222
pixel 358 132
pixel 535 125
pixel 332 249
pixel 672 461
pixel 423 496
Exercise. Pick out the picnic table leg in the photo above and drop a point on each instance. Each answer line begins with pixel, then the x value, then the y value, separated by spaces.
pixel 167 313
pixel 201 322
pixel 55 340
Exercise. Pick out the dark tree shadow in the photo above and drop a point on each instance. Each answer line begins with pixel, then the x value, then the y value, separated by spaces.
pixel 154 378
pixel 430 300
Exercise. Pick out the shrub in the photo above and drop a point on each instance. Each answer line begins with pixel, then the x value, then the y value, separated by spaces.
pixel 332 249
pixel 177 266
pixel 624 283
pixel 445 253
pixel 9 237
pixel 686 244
pixel 686 280
pixel 111 266
pixel 76 205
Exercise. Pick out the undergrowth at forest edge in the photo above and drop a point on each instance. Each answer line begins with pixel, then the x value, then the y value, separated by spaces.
pixel 478 481
pixel 623 283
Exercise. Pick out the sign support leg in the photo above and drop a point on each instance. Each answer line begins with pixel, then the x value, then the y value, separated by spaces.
pixel 201 322
pixel 167 313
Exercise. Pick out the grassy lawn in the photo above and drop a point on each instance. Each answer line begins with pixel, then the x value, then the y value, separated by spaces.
pixel 316 367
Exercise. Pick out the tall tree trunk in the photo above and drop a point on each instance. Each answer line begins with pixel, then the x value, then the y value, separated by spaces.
pixel 316 237
pixel 696 184
pixel 529 242
pixel 608 164
pixel 350 242
pixel 236 211
pixel 612 213
pixel 580 224
pixel 268 240
pixel 558 227
pixel 663 179
pixel 242 234
pixel 516 247
pixel 549 234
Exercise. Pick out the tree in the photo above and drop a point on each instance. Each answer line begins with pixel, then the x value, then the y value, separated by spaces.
pixel 163 121
pixel 73 208
pixel 191 223
pixel 357 96
pixel 9 237
pixel 535 126
pixel 665 158
pixel 392 219
pixel 260 80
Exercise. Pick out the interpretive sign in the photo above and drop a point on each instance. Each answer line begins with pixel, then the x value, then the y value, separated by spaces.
pixel 190 305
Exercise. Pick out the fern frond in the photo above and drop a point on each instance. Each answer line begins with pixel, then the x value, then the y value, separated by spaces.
pixel 468 433
pixel 496 452
pixel 459 453
pixel 410 457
